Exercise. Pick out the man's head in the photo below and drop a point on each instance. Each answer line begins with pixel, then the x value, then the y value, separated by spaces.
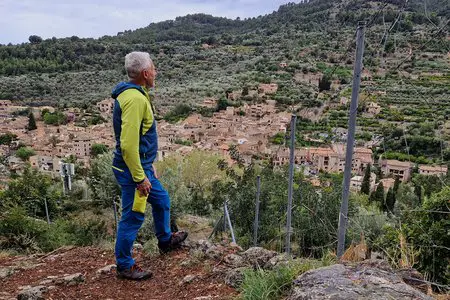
pixel 140 68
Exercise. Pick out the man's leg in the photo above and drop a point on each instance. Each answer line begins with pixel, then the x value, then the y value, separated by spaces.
pixel 128 228
pixel 160 201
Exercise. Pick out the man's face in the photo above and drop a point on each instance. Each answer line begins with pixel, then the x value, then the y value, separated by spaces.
pixel 149 76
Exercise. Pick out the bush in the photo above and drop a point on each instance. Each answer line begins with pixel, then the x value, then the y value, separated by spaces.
pixel 25 234
pixel 261 284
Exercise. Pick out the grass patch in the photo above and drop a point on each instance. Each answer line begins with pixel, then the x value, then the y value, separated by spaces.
pixel 272 284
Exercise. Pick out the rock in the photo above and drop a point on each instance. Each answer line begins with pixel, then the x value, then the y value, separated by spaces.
pixel 138 246
pixel 234 260
pixel 6 272
pixel 413 278
pixel 202 245
pixel 279 260
pixel 204 298
pixel 258 256
pixel 214 252
pixel 236 247
pixel 32 293
pixel 106 270
pixel 45 282
pixel 187 279
pixel 361 281
pixel 71 279
pixel 234 277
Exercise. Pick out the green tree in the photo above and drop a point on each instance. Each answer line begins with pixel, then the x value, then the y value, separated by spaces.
pixel 390 200
pixel 7 139
pixel 31 121
pixel 98 149
pixel 35 39
pixel 365 185
pixel 24 153
pixel 102 181
pixel 29 192
pixel 378 195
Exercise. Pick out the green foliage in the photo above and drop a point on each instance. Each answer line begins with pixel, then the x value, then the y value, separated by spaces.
pixel 56 118
pixel 365 185
pixel 98 149
pixel 390 200
pixel 278 139
pixel 31 121
pixel 272 284
pixel 378 196
pixel 24 153
pixel 29 192
pixel 22 233
pixel 7 138
pixel 102 181
pixel 179 112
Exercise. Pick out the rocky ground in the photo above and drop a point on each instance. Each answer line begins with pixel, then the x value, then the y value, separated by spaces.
pixel 200 271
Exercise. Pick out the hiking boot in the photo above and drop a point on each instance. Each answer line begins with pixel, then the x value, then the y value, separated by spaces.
pixel 174 243
pixel 134 273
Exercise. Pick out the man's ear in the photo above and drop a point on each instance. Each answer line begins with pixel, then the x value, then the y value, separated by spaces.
pixel 145 74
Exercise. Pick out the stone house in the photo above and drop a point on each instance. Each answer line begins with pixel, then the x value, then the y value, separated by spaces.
pixel 391 167
pixel 106 106
pixel 433 170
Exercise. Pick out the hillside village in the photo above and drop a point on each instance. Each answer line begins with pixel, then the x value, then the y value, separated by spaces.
pixel 249 127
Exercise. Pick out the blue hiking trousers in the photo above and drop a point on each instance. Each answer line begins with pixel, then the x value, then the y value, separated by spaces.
pixel 133 213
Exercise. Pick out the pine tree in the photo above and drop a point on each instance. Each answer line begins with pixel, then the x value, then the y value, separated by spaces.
pixel 390 200
pixel 378 195
pixel 31 121
pixel 365 185
pixel 396 184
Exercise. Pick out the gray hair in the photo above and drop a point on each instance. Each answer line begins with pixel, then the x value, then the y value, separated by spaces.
pixel 136 62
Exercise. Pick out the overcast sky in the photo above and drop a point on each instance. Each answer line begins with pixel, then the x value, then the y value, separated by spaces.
pixel 95 18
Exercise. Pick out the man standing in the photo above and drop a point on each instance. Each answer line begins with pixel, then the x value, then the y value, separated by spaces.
pixel 136 149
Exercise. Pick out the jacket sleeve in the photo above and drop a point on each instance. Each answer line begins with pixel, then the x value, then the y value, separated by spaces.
pixel 132 116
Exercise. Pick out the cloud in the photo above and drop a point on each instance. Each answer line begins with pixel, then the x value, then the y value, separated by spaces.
pixel 95 18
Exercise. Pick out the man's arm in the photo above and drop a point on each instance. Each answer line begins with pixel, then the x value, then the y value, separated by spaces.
pixel 132 115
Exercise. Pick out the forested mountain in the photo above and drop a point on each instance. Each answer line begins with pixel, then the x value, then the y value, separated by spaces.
pixel 311 37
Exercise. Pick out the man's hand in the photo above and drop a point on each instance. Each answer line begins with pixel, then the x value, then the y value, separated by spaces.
pixel 144 187
pixel 154 172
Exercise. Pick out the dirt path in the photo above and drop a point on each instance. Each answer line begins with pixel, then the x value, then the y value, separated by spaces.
pixel 168 273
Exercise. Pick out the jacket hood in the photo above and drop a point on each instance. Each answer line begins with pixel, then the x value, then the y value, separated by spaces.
pixel 123 86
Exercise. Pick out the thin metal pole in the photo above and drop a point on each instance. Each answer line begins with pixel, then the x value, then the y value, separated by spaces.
pixel 291 178
pixel 258 193
pixel 224 218
pixel 351 138
pixel 46 211
pixel 216 227
pixel 229 223
pixel 115 212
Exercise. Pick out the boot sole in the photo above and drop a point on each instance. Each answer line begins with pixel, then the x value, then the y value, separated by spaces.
pixel 122 277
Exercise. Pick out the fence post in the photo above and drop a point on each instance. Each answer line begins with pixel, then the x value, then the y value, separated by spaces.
pixel 229 223
pixel 46 211
pixel 291 178
pixel 350 139
pixel 258 193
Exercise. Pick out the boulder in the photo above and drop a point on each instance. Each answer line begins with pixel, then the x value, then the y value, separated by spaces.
pixel 257 256
pixel 6 272
pixel 234 261
pixel 279 260
pixel 32 293
pixel 71 279
pixel 106 270
pixel 187 279
pixel 214 252
pixel 234 277
pixel 361 281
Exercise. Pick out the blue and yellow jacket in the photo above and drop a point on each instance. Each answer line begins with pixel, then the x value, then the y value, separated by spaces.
pixel 134 128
